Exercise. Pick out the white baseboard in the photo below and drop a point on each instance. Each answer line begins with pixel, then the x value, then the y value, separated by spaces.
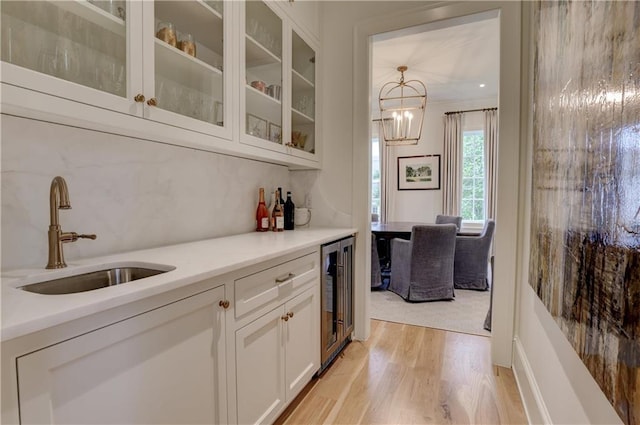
pixel 534 405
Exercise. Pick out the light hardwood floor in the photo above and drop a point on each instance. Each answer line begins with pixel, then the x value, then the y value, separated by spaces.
pixel 406 374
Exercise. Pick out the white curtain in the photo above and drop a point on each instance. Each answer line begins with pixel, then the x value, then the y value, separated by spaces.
pixel 452 161
pixel 491 160
pixel 384 181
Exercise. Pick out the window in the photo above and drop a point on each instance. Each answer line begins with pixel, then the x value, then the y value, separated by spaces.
pixel 473 176
pixel 375 176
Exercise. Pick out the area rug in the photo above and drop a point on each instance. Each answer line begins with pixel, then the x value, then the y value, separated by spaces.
pixel 464 314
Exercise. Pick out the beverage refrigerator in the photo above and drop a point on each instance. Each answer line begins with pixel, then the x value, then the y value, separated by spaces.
pixel 336 298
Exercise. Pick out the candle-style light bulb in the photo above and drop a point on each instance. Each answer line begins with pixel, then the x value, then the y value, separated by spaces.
pixel 407 124
pixel 395 125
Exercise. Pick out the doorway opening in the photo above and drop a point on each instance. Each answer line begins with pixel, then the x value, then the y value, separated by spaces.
pixel 458 60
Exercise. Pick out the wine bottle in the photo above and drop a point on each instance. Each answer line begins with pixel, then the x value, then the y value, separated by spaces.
pixel 272 205
pixel 262 214
pixel 281 200
pixel 289 209
pixel 278 215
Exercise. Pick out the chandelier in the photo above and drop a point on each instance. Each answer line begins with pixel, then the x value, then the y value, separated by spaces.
pixel 402 110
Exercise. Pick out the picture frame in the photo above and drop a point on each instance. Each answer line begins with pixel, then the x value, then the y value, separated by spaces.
pixel 421 172
pixel 257 126
pixel 275 133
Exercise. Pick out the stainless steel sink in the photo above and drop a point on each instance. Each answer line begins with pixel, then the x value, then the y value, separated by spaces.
pixel 92 280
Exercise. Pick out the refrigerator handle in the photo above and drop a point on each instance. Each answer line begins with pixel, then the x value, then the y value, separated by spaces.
pixel 340 289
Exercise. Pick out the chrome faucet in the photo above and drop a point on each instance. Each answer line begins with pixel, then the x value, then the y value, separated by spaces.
pixel 59 200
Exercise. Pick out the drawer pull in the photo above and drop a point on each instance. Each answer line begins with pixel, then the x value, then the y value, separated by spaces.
pixel 285 318
pixel 290 314
pixel 284 279
pixel 224 304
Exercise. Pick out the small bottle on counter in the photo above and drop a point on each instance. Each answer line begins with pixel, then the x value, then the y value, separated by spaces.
pixel 262 214
pixel 289 209
pixel 278 215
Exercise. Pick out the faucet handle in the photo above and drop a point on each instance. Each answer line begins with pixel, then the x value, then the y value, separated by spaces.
pixel 73 236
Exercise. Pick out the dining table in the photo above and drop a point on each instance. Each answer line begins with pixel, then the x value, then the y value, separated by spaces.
pixel 385 232
pixel 394 229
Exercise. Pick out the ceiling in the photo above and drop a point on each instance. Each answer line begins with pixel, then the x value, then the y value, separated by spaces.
pixel 452 58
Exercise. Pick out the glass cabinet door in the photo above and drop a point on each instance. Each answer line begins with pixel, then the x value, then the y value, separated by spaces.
pixel 303 94
pixel 263 73
pixel 83 42
pixel 188 60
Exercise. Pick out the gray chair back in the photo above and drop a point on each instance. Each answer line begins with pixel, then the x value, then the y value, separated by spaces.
pixel 444 219
pixel 422 269
pixel 376 273
pixel 472 259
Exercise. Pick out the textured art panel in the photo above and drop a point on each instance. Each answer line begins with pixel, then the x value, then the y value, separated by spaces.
pixel 585 258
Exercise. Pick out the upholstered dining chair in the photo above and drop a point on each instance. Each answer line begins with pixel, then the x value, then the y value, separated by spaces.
pixel 376 273
pixel 444 219
pixel 422 268
pixel 472 259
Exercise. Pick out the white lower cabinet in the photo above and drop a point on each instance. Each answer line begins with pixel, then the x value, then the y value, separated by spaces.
pixel 302 341
pixel 260 369
pixel 276 356
pixel 166 365
pixel 166 360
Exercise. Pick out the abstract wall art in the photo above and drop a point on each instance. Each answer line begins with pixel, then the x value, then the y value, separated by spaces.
pixel 585 218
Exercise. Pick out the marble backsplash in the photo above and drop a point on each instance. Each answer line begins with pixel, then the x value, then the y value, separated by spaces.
pixel 132 193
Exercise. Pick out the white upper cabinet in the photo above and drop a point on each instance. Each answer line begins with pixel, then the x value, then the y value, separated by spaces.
pixel 279 94
pixel 184 66
pixel 303 96
pixel 225 76
pixel 263 71
pixel 78 50
pixel 159 60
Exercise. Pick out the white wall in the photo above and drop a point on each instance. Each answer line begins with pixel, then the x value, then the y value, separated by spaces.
pixel 424 205
pixel 132 193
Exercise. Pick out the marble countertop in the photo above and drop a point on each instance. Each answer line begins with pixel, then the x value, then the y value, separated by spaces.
pixel 25 312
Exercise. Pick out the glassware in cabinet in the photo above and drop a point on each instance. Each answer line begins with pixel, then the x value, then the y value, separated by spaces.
pixel 303 94
pixel 83 42
pixel 189 53
pixel 263 72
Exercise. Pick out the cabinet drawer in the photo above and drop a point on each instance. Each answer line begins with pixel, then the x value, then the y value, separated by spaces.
pixel 258 289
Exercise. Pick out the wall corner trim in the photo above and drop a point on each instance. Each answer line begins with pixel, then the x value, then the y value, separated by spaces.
pixel 534 406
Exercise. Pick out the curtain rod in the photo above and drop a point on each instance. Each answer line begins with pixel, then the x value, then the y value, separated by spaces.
pixel 471 110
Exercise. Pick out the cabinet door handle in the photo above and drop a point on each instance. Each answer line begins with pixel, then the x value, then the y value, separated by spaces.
pixel 152 102
pixel 285 318
pixel 284 279
pixel 290 314
pixel 139 98
pixel 224 304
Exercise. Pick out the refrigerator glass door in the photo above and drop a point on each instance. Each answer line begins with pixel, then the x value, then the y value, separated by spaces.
pixel 329 305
